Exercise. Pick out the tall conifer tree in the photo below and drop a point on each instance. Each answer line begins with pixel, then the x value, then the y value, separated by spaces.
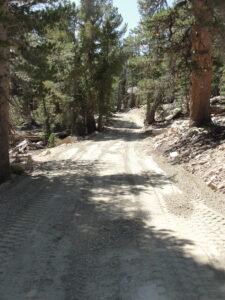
pixel 204 19
pixel 13 16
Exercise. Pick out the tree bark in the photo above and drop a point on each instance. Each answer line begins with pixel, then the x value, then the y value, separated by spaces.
pixel 201 75
pixel 150 114
pixel 100 122
pixel 90 123
pixel 4 98
pixel 46 119
pixel 124 98
pixel 150 117
pixel 138 101
pixel 101 107
pixel 152 107
pixel 119 99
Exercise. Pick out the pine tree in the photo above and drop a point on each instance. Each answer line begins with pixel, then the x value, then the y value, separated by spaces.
pixel 46 61
pixel 203 19
pixel 109 60
pixel 98 58
pixel 4 92
pixel 13 15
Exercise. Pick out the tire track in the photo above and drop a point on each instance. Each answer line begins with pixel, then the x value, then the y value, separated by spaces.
pixel 95 225
pixel 194 282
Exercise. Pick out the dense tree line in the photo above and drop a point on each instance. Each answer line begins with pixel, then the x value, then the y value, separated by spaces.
pixel 180 55
pixel 59 61
pixel 15 19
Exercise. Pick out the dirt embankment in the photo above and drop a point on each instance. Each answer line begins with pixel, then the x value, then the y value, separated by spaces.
pixel 200 151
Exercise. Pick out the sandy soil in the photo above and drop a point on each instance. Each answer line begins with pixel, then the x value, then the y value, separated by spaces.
pixel 103 219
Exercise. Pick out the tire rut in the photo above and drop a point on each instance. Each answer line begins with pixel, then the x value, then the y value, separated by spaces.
pixel 95 225
pixel 191 281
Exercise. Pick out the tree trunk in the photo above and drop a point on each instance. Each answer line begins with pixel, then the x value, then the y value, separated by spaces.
pixel 150 117
pixel 46 119
pixel 4 99
pixel 152 107
pixel 100 122
pixel 119 99
pixel 101 108
pixel 124 98
pixel 132 100
pixel 90 123
pixel 150 114
pixel 201 76
pixel 138 101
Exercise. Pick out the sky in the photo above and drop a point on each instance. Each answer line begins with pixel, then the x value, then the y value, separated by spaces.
pixel 129 11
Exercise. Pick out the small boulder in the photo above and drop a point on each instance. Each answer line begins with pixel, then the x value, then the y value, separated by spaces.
pixel 68 140
pixel 217 100
pixel 158 131
pixel 212 186
pixel 18 168
pixel 45 153
pixel 175 114
pixel 174 154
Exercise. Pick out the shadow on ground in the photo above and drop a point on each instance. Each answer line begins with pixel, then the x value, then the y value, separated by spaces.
pixel 114 252
pixel 120 129
pixel 197 142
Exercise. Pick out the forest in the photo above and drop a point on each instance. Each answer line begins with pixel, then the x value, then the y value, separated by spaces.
pixel 112 142
pixel 67 67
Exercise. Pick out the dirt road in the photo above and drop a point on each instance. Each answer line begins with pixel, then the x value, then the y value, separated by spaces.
pixel 102 220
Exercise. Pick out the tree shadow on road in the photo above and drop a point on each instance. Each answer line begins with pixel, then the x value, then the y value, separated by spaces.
pixel 120 130
pixel 116 253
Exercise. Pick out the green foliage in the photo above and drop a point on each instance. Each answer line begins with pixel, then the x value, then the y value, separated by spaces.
pixel 70 66
pixel 65 66
pixel 52 140
pixel 149 8
pixel 160 50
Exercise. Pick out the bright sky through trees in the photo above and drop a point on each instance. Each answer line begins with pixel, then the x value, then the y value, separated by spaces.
pixel 129 11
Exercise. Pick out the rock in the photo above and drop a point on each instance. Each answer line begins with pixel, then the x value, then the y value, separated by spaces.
pixel 25 146
pixel 174 154
pixel 157 145
pixel 18 168
pixel 186 153
pixel 62 134
pixel 222 147
pixel 147 130
pixel 68 140
pixel 158 131
pixel 39 145
pixel 216 110
pixel 22 146
pixel 179 125
pixel 211 182
pixel 174 114
pixel 45 153
pixel 221 186
pixel 217 99
pixel 192 132
pixel 21 163
pixel 213 177
pixel 212 186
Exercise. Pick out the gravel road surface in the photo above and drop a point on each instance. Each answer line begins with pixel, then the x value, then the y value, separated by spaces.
pixel 102 220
